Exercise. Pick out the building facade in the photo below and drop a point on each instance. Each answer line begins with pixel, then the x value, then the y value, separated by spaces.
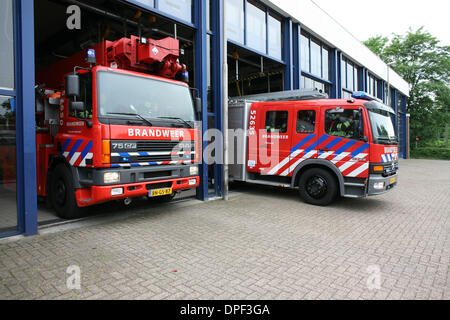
pixel 272 46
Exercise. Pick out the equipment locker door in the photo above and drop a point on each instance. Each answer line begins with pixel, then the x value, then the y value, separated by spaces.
pixel 304 138
pixel 275 139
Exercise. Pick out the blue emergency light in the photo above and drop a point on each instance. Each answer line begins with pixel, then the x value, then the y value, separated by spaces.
pixel 364 96
pixel 91 56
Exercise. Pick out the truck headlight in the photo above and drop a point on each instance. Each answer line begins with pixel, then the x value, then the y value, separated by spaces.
pixel 193 171
pixel 111 177
pixel 378 185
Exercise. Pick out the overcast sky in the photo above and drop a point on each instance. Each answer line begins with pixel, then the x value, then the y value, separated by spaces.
pixel 364 18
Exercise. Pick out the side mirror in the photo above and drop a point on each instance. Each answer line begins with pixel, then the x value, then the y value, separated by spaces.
pixel 72 86
pixel 198 105
pixel 77 106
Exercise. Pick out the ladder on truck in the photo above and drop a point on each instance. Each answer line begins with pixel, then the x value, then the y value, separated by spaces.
pixel 291 95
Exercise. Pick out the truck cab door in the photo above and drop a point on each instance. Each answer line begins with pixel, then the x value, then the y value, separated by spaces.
pixel 274 139
pixel 304 137
pixel 346 145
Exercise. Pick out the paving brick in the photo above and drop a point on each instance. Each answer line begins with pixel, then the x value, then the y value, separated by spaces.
pixel 262 244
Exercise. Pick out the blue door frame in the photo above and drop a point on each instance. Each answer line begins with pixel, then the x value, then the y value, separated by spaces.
pixel 24 96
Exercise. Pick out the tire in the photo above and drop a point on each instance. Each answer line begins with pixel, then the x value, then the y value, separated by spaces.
pixel 318 187
pixel 62 194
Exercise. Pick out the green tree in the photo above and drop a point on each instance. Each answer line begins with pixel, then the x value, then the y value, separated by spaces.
pixel 425 65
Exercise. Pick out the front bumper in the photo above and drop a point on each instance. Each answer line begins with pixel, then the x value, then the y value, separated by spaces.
pixel 377 180
pixel 101 194
pixel 134 182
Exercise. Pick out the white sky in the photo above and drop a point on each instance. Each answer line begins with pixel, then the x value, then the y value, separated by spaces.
pixel 364 18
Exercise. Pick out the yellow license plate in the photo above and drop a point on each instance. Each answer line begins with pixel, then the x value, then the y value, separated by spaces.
pixel 393 180
pixel 160 192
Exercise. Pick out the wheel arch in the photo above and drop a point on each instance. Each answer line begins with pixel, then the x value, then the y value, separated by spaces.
pixel 318 163
pixel 54 162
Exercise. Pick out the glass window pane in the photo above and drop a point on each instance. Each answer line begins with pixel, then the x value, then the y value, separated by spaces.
pixel 349 77
pixel 147 3
pixel 8 203
pixel 276 121
pixel 356 79
pixel 305 53
pixel 343 73
pixel 275 38
pixel 179 8
pixel 256 28
pixel 306 121
pixel 208 14
pixel 7 45
pixel 235 20
pixel 316 59
pixel 325 64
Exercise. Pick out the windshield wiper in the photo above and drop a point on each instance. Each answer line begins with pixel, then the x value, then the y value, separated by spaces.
pixel 132 114
pixel 388 140
pixel 179 119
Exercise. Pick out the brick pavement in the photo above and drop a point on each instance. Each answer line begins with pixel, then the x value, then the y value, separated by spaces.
pixel 263 244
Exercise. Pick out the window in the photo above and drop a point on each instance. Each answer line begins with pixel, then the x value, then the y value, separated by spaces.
pixel 149 3
pixel 306 121
pixel 179 8
pixel 7 45
pixel 325 64
pixel 275 43
pixel 307 83
pixel 341 123
pixel 316 59
pixel 276 121
pixel 305 53
pixel 8 179
pixel 256 28
pixel 349 77
pixel 235 20
pixel 349 85
pixel 372 85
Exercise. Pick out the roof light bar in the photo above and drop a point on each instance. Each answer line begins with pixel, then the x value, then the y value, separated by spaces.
pixel 364 96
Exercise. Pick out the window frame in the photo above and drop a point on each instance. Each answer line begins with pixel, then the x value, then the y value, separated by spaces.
pixel 276 111
pixel 298 119
pixel 351 108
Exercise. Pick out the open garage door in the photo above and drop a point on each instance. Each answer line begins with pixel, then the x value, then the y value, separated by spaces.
pixel 59 34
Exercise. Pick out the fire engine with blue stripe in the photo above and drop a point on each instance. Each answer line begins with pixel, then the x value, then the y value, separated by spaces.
pixel 323 147
pixel 116 122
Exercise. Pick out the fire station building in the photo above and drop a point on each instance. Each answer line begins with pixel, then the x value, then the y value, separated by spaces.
pixel 272 46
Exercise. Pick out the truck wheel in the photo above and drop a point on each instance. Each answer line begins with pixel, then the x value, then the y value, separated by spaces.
pixel 318 187
pixel 62 194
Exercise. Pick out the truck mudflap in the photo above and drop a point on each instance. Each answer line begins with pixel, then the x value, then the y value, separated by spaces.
pixel 378 184
pixel 101 194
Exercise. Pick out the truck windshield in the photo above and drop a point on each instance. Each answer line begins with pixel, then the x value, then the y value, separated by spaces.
pixel 123 96
pixel 382 127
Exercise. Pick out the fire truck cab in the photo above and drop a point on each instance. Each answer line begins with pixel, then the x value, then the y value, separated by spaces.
pixel 115 122
pixel 323 147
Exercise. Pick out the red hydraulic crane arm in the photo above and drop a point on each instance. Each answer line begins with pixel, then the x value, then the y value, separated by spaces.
pixel 156 57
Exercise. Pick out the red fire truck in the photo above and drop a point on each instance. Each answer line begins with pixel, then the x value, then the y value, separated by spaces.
pixel 323 147
pixel 113 123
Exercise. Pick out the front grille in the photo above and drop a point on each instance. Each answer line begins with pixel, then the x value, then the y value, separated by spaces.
pixel 161 185
pixel 164 158
pixel 149 146
pixel 157 174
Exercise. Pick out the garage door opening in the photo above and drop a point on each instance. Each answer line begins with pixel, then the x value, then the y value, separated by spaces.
pixel 57 38
pixel 250 73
